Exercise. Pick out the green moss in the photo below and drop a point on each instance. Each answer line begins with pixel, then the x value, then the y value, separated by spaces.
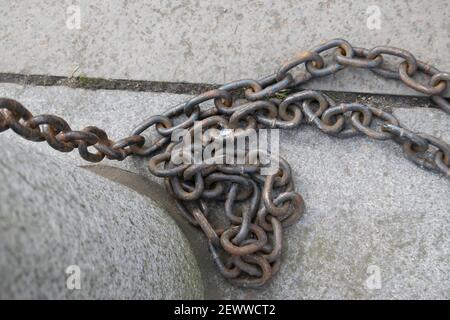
pixel 84 81
pixel 282 94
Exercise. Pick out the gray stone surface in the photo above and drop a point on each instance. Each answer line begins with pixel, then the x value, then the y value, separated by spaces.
pixel 54 215
pixel 366 204
pixel 212 41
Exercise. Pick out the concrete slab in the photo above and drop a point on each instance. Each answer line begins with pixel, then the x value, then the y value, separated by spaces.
pixel 369 210
pixel 67 233
pixel 212 41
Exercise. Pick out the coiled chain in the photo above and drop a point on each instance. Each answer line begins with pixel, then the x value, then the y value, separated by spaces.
pixel 247 249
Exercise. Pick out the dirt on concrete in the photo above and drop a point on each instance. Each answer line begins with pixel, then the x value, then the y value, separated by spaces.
pixel 385 102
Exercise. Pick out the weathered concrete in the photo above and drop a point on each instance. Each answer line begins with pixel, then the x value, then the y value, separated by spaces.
pixel 366 207
pixel 366 204
pixel 212 41
pixel 54 215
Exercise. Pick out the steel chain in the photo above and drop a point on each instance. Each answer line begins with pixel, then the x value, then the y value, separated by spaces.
pixel 247 251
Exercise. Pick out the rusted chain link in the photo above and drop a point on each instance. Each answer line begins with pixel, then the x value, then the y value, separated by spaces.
pixel 247 250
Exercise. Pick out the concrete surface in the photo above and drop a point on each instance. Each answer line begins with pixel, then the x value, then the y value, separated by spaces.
pixel 54 215
pixel 368 208
pixel 203 41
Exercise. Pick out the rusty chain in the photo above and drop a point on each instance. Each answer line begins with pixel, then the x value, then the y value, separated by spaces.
pixel 247 250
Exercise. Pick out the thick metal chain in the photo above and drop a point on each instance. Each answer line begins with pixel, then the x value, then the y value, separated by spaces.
pixel 247 250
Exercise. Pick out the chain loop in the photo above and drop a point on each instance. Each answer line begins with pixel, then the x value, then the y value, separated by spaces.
pixel 410 60
pixel 321 71
pixel 247 247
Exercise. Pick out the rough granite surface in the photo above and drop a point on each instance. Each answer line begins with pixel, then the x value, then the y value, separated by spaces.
pixel 204 41
pixel 368 208
pixel 54 215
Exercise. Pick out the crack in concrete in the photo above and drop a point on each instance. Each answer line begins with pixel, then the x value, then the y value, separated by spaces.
pixel 383 101
pixel 89 83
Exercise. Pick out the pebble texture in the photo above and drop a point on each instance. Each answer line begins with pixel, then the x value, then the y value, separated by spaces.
pixel 54 215
pixel 367 206
pixel 202 41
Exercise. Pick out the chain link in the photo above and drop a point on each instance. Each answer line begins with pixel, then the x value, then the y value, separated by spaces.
pixel 247 250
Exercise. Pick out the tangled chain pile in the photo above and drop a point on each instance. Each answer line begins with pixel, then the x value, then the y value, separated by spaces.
pixel 247 251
